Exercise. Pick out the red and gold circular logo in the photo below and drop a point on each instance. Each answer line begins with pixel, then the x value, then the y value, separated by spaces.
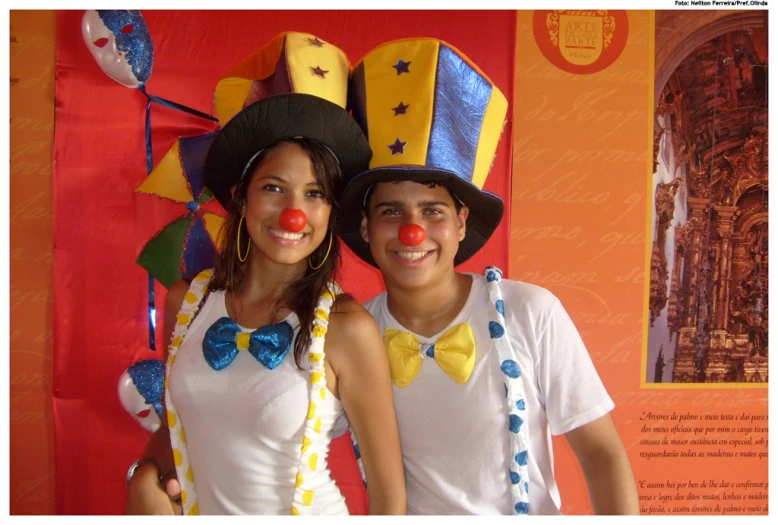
pixel 580 41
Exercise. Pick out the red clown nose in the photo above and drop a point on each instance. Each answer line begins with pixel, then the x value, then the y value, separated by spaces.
pixel 412 235
pixel 292 220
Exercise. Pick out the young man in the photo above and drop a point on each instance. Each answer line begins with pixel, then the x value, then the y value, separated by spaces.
pixel 510 368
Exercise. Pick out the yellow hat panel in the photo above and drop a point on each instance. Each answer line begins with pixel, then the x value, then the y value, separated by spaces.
pixel 317 68
pixel 399 79
pixel 491 130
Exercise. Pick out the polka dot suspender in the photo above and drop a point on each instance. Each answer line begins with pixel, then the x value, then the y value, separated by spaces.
pixel 514 394
pixel 309 463
pixel 188 310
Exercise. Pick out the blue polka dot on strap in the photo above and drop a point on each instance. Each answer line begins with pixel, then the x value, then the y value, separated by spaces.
pixel 496 330
pixel 515 478
pixel 356 451
pixel 506 389
pixel 515 423
pixel 491 276
pixel 500 307
pixel 521 458
pixel 526 487
pixel 522 507
pixel 520 404
pixel 510 368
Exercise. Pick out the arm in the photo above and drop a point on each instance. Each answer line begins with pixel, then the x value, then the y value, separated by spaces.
pixel 605 466
pixel 145 495
pixel 356 355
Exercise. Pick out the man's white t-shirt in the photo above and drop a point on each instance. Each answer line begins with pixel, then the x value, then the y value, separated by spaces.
pixel 455 438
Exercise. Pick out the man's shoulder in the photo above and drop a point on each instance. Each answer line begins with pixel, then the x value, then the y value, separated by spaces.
pixel 526 293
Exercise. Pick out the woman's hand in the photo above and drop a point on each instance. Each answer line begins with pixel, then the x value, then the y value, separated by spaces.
pixel 145 495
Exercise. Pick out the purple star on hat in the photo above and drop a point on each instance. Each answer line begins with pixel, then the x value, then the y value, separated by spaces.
pixel 400 110
pixel 402 67
pixel 397 147
pixel 319 72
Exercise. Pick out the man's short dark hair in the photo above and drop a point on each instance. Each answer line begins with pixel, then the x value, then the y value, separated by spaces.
pixel 429 183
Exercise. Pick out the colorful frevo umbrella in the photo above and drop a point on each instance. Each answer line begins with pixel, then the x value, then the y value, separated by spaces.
pixel 186 244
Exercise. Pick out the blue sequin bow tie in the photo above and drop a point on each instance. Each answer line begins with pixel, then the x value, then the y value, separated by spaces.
pixel 268 344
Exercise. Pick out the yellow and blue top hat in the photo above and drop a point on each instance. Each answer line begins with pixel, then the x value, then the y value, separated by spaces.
pixel 294 86
pixel 429 115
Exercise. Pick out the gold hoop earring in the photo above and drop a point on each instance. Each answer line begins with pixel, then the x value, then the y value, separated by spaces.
pixel 237 246
pixel 332 234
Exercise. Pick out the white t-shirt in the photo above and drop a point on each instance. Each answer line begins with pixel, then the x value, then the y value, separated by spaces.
pixel 454 437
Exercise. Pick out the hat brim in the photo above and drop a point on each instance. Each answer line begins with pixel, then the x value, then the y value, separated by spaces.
pixel 486 209
pixel 276 118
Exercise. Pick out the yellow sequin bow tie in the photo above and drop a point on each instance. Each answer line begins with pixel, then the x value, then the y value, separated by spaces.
pixel 454 352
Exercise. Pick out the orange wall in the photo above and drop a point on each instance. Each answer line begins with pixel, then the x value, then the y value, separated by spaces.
pixel 31 134
pixel 579 225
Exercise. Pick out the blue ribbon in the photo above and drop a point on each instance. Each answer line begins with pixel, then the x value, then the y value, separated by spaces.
pixel 268 344
pixel 150 167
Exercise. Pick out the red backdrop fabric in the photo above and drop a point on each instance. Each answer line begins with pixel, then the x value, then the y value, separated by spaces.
pixel 100 294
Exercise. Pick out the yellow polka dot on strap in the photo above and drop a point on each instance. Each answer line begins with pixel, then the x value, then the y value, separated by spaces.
pixel 308 497
pixel 299 480
pixel 177 340
pixel 195 510
pixel 306 443
pixel 183 496
pixel 311 410
pixel 313 460
pixel 322 393
pixel 177 457
pixel 295 512
pixel 319 331
pixel 171 419
pixel 315 358
pixel 183 318
pixel 316 377
pixel 317 426
pixel 321 314
pixel 190 297
pixel 189 474
pixel 181 435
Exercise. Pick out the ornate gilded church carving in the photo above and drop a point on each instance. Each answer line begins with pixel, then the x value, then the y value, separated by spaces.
pixel 708 292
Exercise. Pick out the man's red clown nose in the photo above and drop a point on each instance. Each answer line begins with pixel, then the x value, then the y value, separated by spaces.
pixel 412 235
pixel 292 220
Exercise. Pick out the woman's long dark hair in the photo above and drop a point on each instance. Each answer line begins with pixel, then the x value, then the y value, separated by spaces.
pixel 302 296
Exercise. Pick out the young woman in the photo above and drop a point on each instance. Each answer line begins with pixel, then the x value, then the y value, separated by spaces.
pixel 250 430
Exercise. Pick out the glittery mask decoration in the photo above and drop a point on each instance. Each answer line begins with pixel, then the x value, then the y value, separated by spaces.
pixel 132 38
pixel 149 378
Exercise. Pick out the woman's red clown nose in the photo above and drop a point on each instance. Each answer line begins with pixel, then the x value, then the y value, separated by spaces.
pixel 292 220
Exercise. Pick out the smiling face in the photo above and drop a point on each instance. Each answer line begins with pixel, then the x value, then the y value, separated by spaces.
pixel 394 205
pixel 285 179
